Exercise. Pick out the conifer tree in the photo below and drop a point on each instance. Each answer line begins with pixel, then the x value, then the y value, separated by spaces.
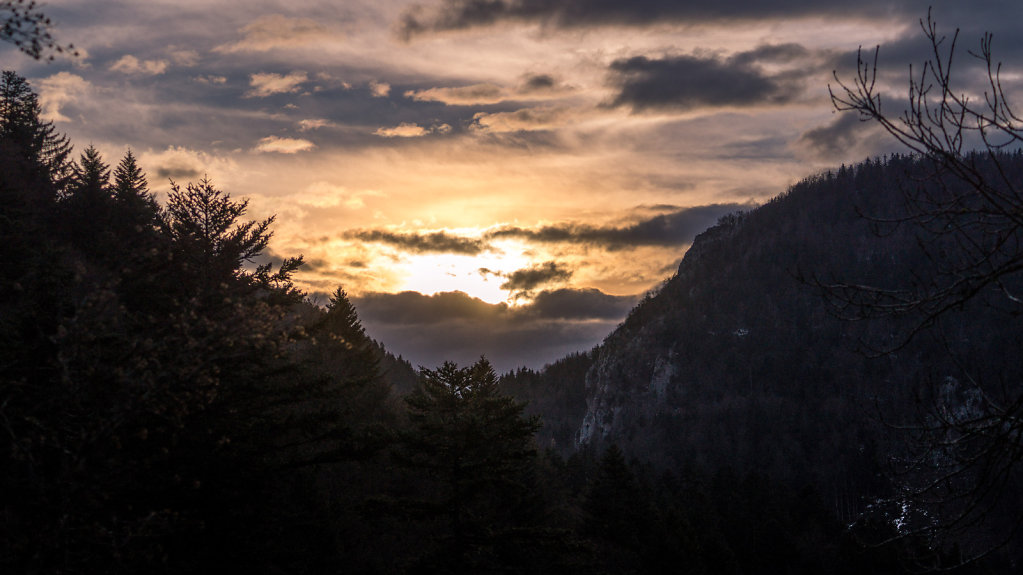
pixel 129 180
pixel 89 206
pixel 615 510
pixel 38 152
pixel 342 325
pixel 135 203
pixel 92 172
pixel 209 241
pixel 476 449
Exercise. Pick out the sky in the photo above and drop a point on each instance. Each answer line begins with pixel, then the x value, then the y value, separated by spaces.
pixel 489 177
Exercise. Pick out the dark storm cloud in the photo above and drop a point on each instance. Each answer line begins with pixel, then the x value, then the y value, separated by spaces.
pixel 464 14
pixel 507 346
pixel 414 308
pixel 581 304
pixel 428 329
pixel 835 139
pixel 434 242
pixel 530 278
pixel 672 229
pixel 675 228
pixel 538 82
pixel 770 53
pixel 176 170
pixel 690 81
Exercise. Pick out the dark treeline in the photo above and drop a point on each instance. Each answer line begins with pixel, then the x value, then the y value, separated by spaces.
pixel 167 406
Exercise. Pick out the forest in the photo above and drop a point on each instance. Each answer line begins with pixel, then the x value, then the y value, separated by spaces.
pixel 169 406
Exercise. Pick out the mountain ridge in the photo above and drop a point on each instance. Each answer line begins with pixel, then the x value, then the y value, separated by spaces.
pixel 741 360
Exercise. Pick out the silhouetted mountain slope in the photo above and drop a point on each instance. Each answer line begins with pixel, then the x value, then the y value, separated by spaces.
pixel 557 393
pixel 738 362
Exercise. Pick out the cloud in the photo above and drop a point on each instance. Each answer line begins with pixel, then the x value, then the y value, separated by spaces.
pixel 211 80
pixel 58 90
pixel 379 89
pixel 472 94
pixel 686 82
pixel 524 120
pixel 835 140
pixel 313 124
pixel 676 228
pixel 411 130
pixel 267 84
pixel 429 329
pixel 464 14
pixel 530 278
pixel 129 64
pixel 435 242
pixel 672 229
pixel 532 87
pixel 414 308
pixel 403 130
pixel 326 195
pixel 581 304
pixel 538 83
pixel 186 58
pixel 275 31
pixel 284 145
pixel 178 163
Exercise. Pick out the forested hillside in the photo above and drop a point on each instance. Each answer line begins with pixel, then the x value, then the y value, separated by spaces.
pixel 167 405
pixel 795 342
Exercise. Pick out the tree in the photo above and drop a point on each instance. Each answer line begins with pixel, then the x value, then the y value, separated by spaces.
pixel 615 511
pixel 969 222
pixel 34 155
pixel 89 205
pixel 28 28
pixel 135 207
pixel 359 361
pixel 210 244
pixel 473 448
pixel 32 142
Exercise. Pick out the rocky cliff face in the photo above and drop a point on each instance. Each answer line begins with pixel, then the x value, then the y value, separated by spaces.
pixel 637 368
pixel 739 360
pixel 735 361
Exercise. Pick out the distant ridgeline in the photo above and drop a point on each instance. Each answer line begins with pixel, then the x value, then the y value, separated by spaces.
pixel 758 356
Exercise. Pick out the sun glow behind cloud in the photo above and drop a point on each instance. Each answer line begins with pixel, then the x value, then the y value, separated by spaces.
pixel 478 275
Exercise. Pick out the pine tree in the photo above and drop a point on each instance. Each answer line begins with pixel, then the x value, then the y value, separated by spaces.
pixel 476 448
pixel 135 204
pixel 347 362
pixel 129 180
pixel 209 242
pixel 33 170
pixel 341 324
pixel 34 147
pixel 614 508
pixel 88 204
pixel 616 515
pixel 92 173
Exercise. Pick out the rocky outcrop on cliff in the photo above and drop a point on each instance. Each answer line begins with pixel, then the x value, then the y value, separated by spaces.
pixel 737 361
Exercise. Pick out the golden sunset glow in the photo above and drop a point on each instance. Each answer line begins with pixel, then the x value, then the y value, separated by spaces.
pixel 407 146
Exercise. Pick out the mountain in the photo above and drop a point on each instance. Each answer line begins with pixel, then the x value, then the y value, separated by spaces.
pixel 743 359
